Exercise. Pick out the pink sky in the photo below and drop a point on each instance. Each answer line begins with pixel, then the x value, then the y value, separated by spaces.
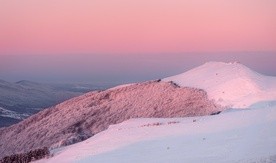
pixel 136 26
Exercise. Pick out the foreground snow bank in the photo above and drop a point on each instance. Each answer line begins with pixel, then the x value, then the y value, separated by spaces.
pixel 229 84
pixel 232 136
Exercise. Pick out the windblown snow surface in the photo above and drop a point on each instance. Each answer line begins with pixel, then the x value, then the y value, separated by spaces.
pixel 230 84
pixel 235 135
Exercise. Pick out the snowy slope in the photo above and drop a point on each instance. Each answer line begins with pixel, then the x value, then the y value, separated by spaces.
pixel 232 136
pixel 230 84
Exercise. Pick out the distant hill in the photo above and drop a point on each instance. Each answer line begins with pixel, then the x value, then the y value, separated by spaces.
pixel 25 98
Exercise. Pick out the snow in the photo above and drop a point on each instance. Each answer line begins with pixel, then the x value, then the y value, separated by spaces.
pixel 238 136
pixel 229 84
pixel 12 114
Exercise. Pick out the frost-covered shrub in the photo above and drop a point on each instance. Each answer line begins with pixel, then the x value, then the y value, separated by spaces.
pixel 152 124
pixel 73 139
pixel 26 157
pixel 173 122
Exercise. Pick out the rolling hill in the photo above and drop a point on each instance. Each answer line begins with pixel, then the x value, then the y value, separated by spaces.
pixel 25 98
pixel 82 117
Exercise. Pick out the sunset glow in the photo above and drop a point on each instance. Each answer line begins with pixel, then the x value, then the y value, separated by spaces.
pixel 144 26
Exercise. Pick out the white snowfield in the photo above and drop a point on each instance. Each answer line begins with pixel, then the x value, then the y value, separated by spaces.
pixel 230 84
pixel 235 135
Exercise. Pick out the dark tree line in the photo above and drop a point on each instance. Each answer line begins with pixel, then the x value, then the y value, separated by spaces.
pixel 27 157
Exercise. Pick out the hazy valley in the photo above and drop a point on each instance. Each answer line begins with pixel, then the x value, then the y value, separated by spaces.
pixel 24 98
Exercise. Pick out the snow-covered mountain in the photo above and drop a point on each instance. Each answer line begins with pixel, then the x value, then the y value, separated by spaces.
pixel 230 84
pixel 235 135
pixel 244 132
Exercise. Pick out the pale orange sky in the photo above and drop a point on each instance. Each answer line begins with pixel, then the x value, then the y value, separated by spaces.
pixel 136 26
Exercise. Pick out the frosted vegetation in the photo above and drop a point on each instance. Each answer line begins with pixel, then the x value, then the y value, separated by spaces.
pixel 84 116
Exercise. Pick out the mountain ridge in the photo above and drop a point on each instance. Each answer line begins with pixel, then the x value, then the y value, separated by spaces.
pixel 229 84
pixel 81 117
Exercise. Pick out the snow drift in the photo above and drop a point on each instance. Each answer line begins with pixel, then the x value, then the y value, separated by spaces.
pixel 241 136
